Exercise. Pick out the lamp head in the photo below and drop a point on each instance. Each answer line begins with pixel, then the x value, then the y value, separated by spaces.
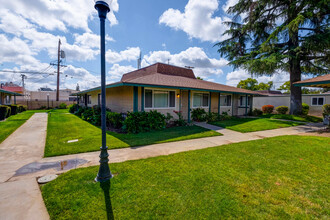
pixel 103 7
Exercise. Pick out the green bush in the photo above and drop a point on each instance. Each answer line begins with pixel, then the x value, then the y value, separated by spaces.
pixel 4 112
pixel 282 109
pixel 256 112
pixel 73 108
pixel 80 111
pixel 13 109
pixel 21 108
pixel 62 106
pixel 305 109
pixel 114 120
pixel 326 110
pixel 87 114
pixel 212 116
pixel 180 121
pixel 224 116
pixel 144 121
pixel 198 114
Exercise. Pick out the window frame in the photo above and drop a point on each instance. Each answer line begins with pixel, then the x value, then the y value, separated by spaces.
pixel 248 101
pixel 226 100
pixel 192 99
pixel 153 98
pixel 317 100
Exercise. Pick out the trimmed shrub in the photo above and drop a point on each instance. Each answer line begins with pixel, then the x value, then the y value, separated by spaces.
pixel 282 109
pixel 198 114
pixel 224 116
pixel 114 120
pixel 326 110
pixel 256 112
pixel 136 122
pixel 13 109
pixel 87 114
pixel 267 109
pixel 4 112
pixel 73 108
pixel 62 106
pixel 305 109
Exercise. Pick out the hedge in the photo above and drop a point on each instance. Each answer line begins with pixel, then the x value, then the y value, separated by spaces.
pixel 305 109
pixel 4 112
pixel 282 109
pixel 267 109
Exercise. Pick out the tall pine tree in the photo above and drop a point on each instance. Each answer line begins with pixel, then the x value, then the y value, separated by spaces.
pixel 269 36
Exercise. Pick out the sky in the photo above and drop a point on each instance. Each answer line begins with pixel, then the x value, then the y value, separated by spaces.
pixel 178 32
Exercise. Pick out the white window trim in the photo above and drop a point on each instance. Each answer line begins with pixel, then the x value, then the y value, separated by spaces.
pixel 152 97
pixel 318 97
pixel 202 92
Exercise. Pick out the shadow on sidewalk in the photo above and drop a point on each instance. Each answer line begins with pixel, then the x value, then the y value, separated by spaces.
pixel 106 190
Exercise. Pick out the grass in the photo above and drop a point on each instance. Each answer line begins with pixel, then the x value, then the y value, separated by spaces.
pixel 275 178
pixel 8 126
pixel 253 124
pixel 65 127
pixel 307 118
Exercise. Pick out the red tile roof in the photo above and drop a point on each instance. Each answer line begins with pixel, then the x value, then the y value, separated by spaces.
pixel 16 89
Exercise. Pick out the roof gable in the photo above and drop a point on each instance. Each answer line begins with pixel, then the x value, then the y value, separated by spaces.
pixel 159 68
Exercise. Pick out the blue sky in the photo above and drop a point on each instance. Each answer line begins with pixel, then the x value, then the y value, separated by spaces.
pixel 182 31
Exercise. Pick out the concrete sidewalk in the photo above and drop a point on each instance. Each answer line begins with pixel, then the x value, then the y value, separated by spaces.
pixel 22 199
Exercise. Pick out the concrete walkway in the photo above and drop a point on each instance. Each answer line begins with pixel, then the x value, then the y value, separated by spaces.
pixel 21 199
pixel 26 145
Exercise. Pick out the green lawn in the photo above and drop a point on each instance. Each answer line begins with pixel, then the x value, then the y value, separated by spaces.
pixel 307 118
pixel 65 127
pixel 12 123
pixel 253 124
pixel 285 177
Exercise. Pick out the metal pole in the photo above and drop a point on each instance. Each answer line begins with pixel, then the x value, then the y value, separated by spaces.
pixel 104 173
pixel 58 70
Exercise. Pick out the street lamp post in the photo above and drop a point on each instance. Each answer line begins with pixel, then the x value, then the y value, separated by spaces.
pixel 104 173
pixel 47 100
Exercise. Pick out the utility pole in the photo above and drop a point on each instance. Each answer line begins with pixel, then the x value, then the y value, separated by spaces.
pixel 23 77
pixel 60 54
pixel 58 70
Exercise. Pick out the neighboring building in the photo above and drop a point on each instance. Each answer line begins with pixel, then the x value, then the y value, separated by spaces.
pixel 44 94
pixel 5 97
pixel 168 88
pixel 270 92
pixel 9 86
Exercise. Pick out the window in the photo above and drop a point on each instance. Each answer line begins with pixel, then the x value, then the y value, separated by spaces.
pixel 227 100
pixel 200 100
pixel 243 101
pixel 318 101
pixel 159 99
pixel 89 100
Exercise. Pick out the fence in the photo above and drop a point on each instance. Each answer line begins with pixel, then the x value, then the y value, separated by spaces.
pixel 32 105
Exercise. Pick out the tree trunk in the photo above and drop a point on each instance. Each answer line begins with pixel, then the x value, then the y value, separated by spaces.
pixel 294 66
pixel 295 96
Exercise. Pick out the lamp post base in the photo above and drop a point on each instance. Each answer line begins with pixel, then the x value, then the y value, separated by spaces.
pixel 104 173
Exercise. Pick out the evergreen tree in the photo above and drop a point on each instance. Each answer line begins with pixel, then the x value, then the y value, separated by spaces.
pixel 269 36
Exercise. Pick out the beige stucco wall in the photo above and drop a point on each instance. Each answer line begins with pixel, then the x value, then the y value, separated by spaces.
pixel 258 102
pixel 120 99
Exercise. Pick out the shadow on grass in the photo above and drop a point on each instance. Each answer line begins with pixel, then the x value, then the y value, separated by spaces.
pixel 105 186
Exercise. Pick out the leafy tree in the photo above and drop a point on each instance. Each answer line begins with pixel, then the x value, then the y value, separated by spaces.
pixel 252 84
pixel 279 35
pixel 249 83
pixel 200 78
pixel 286 87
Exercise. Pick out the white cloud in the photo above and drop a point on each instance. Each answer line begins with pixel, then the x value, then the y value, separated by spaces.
pixel 197 20
pixel 131 53
pixel 90 40
pixel 58 14
pixel 116 71
pixel 234 77
pixel 229 4
pixel 194 56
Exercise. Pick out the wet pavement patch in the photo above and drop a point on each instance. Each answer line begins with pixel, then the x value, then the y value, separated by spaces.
pixel 58 165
